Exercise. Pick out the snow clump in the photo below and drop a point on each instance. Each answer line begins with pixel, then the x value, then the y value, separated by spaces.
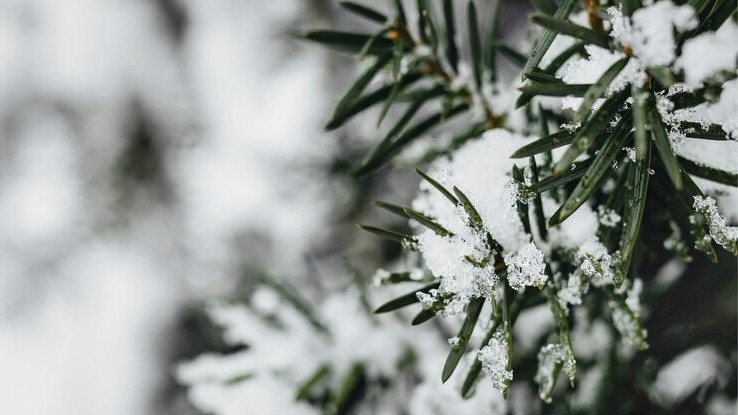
pixel 495 360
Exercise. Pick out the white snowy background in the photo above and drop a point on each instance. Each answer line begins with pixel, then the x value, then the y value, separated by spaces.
pixel 92 276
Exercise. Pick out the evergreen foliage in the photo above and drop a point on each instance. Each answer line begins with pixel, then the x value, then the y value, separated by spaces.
pixel 615 157
pixel 629 117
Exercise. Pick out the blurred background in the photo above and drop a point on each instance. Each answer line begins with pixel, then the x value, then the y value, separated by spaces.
pixel 152 151
pixel 159 154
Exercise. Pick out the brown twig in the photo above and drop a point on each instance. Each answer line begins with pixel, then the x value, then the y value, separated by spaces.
pixel 594 20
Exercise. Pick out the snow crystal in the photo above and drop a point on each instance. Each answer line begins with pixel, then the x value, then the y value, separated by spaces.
pixel 571 126
pixel 572 292
pixel 631 152
pixel 521 192
pixel 663 104
pixel 675 242
pixel 494 358
pixel 596 265
pixel 609 185
pixel 633 299
pixel 596 262
pixel 725 111
pixel 608 217
pixel 588 267
pixel 381 277
pixel 726 196
pixel 726 236
pixel 708 53
pixel 454 341
pixel 417 274
pixel 627 324
pixel 650 31
pixel 427 300
pixel 526 268
pixel 384 277
pixel 549 357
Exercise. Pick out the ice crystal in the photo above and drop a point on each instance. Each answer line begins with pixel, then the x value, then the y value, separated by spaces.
pixel 608 217
pixel 495 360
pixel 675 242
pixel 454 341
pixel 703 244
pixel 649 33
pixel 588 267
pixel 572 292
pixel 521 192
pixel 571 126
pixel 526 268
pixel 663 104
pixel 416 274
pixel 628 326
pixel 726 236
pixel 616 120
pixel 609 186
pixel 631 152
pixel 633 298
pixel 427 299
pixel 550 358
pixel 596 266
pixel 380 277
pixel 625 316
pixel 596 262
